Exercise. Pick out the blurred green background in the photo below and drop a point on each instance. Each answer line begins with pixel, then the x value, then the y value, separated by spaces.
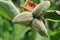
pixel 10 31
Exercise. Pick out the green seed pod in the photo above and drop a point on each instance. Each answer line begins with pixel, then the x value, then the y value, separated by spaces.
pixel 38 10
pixel 23 18
pixel 39 26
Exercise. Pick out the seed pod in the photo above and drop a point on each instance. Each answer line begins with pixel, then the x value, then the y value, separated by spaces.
pixel 39 26
pixel 37 11
pixel 23 18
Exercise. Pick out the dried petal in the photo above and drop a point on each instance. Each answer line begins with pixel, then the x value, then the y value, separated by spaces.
pixel 39 26
pixel 28 6
pixel 23 18
pixel 32 4
pixel 23 8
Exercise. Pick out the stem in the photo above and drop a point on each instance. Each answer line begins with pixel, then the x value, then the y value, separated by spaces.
pixel 33 34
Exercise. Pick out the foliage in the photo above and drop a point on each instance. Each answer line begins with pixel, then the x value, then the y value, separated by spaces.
pixel 10 31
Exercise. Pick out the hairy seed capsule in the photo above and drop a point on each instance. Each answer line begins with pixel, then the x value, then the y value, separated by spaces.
pixel 23 18
pixel 37 11
pixel 39 26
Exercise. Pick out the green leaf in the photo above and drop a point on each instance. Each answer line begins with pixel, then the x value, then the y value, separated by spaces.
pixel 52 16
pixel 8 9
pixel 22 2
pixel 58 12
pixel 5 0
pixel 6 36
pixel 1 38
pixel 36 1
pixel 39 37
pixel 19 32
pixel 55 35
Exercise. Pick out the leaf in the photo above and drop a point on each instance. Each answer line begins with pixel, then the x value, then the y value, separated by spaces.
pixel 22 2
pixel 38 10
pixel 36 1
pixel 55 35
pixel 39 37
pixel 39 26
pixel 1 38
pixel 24 18
pixel 6 36
pixel 58 12
pixel 19 32
pixel 5 0
pixel 8 9
pixel 52 16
